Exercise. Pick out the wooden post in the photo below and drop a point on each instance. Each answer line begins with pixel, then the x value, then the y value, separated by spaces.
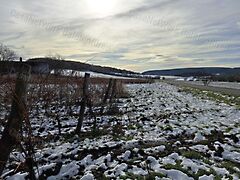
pixel 83 103
pixel 113 93
pixel 106 96
pixel 11 134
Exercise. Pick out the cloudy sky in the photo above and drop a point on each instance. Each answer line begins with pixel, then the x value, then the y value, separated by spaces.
pixel 132 34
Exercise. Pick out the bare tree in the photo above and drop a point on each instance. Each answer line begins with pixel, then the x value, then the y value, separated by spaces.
pixel 55 57
pixel 6 54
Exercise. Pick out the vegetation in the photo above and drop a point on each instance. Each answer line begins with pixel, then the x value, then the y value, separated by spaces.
pixel 231 100
pixel 6 54
pixel 150 176
pixel 62 94
pixel 227 78
pixel 56 100
pixel 55 62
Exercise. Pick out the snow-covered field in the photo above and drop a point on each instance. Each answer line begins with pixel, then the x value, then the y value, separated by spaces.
pixel 162 133
pixel 94 74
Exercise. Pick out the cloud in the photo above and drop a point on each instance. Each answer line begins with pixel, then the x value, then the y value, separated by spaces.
pixel 238 24
pixel 137 34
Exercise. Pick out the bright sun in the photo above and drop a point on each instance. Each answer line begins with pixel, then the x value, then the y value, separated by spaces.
pixel 101 8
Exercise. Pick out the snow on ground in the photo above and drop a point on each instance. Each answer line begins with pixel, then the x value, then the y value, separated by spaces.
pixel 162 133
pixel 96 74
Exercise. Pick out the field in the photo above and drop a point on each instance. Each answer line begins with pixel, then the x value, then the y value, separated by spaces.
pixel 149 131
pixel 226 88
pixel 232 85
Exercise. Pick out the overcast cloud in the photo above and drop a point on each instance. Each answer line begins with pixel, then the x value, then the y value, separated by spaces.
pixel 136 34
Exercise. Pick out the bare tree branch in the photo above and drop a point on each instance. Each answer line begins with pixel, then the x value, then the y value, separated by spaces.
pixel 6 54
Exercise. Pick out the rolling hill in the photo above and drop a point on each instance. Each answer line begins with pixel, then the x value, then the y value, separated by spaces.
pixel 195 71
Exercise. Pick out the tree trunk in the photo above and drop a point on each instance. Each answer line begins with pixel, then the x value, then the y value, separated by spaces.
pixel 11 134
pixel 113 93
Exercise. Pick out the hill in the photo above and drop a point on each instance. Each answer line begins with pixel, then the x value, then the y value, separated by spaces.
pixel 79 66
pixel 195 71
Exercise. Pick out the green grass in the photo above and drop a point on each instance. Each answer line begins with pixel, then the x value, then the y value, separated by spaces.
pixel 230 100
pixel 150 176
pixel 94 133
pixel 191 154
pixel 207 161
pixel 178 167
pixel 127 138
pixel 168 128
pixel 227 130
pixel 188 172
pixel 132 127
pixel 230 167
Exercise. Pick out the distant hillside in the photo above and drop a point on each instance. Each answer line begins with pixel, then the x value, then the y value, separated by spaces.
pixel 78 66
pixel 194 71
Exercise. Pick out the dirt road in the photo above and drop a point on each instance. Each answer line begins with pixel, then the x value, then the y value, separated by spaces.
pixel 222 90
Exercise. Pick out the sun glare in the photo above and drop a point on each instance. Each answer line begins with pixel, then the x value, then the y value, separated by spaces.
pixel 101 8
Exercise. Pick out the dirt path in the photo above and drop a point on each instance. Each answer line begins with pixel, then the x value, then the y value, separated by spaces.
pixel 222 90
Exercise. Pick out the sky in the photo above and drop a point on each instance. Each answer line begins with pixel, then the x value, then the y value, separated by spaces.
pixel 137 35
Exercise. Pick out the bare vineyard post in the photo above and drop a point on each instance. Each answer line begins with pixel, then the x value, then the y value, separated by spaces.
pixel 106 95
pixel 11 135
pixel 83 102
pixel 113 93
